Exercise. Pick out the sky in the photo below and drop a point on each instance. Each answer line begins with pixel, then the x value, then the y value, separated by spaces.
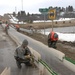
pixel 31 6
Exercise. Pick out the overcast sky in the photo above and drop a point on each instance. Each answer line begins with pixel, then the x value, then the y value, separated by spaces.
pixel 31 6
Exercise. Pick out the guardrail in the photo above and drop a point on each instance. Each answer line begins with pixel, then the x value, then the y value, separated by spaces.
pixel 69 63
pixel 55 52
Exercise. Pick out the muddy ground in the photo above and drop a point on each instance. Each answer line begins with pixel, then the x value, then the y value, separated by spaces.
pixel 66 47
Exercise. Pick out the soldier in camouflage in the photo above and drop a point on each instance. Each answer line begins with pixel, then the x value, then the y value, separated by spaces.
pixel 23 54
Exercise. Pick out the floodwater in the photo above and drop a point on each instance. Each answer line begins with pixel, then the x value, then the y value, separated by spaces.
pixel 61 29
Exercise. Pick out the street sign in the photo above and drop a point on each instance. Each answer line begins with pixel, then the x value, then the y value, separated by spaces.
pixel 52 14
pixel 43 10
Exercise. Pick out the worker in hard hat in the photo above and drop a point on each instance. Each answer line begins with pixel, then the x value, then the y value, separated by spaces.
pixel 52 39
pixel 23 54
pixel 17 27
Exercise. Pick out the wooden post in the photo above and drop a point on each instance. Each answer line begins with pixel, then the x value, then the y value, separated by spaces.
pixel 52 25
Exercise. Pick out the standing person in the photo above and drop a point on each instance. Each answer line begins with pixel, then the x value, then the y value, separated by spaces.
pixel 52 39
pixel 6 28
pixel 23 54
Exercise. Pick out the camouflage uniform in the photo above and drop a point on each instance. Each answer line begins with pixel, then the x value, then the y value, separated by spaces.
pixel 20 54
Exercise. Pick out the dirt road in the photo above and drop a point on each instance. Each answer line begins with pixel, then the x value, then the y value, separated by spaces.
pixel 7 48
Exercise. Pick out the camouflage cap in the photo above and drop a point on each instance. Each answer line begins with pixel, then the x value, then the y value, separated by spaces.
pixel 25 42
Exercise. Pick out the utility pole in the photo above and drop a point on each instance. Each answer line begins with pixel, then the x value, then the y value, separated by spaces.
pixel 22 4
pixel 44 11
pixel 52 25
pixel 15 10
pixel 44 23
